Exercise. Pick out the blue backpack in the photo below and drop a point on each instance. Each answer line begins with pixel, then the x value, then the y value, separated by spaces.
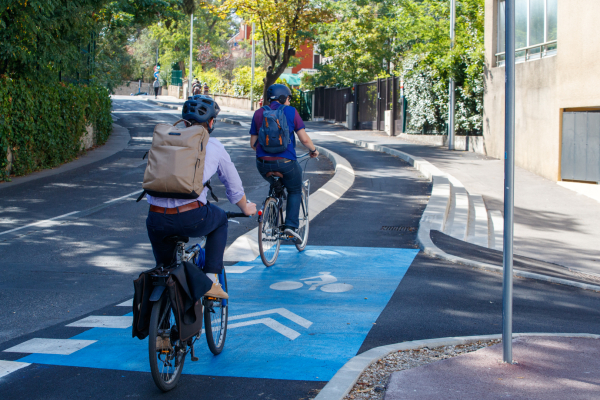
pixel 274 133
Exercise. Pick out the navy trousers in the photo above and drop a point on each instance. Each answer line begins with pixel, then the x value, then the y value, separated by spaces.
pixel 209 221
pixel 292 180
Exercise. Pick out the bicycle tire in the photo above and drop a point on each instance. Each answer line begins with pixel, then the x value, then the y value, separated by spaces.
pixel 304 222
pixel 161 310
pixel 268 232
pixel 216 341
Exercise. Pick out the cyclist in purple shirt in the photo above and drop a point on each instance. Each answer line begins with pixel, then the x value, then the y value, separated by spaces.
pixel 284 162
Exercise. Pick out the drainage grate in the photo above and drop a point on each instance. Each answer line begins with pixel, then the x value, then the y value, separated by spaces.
pixel 399 228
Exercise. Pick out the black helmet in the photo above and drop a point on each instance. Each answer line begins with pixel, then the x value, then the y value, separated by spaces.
pixel 278 92
pixel 200 109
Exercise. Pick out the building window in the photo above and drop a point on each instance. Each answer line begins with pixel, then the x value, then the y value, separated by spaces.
pixel 316 60
pixel 535 29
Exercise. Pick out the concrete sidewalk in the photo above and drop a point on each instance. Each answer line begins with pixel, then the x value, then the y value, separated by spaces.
pixel 546 368
pixel 552 223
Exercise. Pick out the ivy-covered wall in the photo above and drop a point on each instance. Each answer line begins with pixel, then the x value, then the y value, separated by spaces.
pixel 43 124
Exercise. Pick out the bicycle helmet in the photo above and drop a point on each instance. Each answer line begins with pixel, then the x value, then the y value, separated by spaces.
pixel 200 109
pixel 278 92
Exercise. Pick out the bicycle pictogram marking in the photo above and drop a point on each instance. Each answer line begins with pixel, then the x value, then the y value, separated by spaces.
pixel 325 281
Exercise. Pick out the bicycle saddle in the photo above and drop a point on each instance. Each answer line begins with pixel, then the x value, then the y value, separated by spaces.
pixel 274 173
pixel 176 238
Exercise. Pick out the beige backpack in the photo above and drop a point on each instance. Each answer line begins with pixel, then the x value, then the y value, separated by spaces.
pixel 176 162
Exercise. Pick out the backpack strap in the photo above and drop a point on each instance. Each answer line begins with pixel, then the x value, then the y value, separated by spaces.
pixel 207 184
pixel 267 108
pixel 141 196
pixel 184 120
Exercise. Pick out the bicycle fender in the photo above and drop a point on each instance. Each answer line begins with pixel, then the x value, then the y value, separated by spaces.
pixel 157 292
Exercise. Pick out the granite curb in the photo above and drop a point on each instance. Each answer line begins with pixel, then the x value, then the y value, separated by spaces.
pixel 423 236
pixel 158 103
pixel 342 382
pixel 118 140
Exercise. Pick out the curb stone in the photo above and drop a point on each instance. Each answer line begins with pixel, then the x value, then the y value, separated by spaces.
pixel 158 103
pixel 423 236
pixel 344 380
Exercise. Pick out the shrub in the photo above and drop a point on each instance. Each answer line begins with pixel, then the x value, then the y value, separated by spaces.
pixel 43 124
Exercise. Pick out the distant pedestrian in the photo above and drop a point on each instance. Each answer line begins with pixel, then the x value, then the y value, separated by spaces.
pixel 205 89
pixel 156 85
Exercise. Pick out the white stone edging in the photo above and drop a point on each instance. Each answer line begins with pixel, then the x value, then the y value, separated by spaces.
pixel 344 380
pixel 431 217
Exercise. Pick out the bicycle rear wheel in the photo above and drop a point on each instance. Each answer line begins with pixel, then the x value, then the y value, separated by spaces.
pixel 216 312
pixel 303 220
pixel 268 233
pixel 166 357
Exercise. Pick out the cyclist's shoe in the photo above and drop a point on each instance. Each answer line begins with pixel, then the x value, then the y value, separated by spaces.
pixel 217 291
pixel 292 233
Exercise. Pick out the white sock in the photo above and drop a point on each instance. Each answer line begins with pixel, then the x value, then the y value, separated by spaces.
pixel 213 277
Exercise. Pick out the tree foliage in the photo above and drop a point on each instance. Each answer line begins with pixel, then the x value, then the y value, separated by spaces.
pixel 409 38
pixel 282 26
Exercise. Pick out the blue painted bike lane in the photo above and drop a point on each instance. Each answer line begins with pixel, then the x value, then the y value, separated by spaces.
pixel 301 319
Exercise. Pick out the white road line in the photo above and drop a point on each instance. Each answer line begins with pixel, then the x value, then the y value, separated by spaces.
pixel 104 321
pixel 124 197
pixel 6 367
pixel 43 223
pixel 127 303
pixel 271 323
pixel 50 346
pixel 236 269
pixel 281 311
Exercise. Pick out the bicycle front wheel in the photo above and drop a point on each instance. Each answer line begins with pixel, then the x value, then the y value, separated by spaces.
pixel 216 312
pixel 303 220
pixel 166 356
pixel 268 233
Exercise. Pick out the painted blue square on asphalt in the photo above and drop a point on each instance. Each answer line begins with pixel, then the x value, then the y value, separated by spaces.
pixel 301 319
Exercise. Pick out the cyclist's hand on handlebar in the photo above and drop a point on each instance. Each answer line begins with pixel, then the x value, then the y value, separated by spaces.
pixel 315 154
pixel 249 209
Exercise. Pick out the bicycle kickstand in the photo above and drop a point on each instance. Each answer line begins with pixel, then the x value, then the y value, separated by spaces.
pixel 194 358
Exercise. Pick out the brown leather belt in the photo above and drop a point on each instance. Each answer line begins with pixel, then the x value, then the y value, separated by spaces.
pixel 177 210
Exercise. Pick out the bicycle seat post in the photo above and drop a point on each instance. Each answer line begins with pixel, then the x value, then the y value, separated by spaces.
pixel 180 250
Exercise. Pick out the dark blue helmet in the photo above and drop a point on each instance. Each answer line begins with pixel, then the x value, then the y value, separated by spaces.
pixel 278 92
pixel 200 109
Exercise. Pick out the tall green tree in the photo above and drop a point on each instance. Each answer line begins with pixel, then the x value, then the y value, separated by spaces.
pixel 282 27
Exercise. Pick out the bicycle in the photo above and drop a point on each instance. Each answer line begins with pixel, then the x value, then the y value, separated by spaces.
pixel 166 352
pixel 270 218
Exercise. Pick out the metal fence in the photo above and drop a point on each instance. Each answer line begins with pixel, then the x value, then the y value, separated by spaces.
pixel 372 101
pixel 304 105
pixel 176 78
pixel 319 102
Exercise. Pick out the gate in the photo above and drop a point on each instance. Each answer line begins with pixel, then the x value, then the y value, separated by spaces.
pixel 329 106
pixel 343 97
pixel 367 105
pixel 580 158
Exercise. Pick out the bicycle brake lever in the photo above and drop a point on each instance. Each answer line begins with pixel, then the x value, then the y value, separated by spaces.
pixel 233 220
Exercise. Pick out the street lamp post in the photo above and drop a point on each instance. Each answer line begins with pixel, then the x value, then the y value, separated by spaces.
pixel 253 62
pixel 509 180
pixel 451 89
pixel 191 44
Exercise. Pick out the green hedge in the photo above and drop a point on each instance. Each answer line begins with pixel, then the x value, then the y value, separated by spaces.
pixel 43 125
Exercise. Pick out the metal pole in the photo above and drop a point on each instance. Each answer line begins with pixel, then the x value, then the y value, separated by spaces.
pixel 451 86
pixel 253 61
pixel 191 43
pixel 509 179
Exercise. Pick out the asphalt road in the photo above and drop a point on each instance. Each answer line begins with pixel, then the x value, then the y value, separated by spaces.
pixel 85 266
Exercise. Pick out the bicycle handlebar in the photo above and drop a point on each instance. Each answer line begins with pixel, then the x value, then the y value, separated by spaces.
pixel 231 214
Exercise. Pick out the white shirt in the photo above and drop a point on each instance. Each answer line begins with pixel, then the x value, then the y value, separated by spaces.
pixel 217 160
